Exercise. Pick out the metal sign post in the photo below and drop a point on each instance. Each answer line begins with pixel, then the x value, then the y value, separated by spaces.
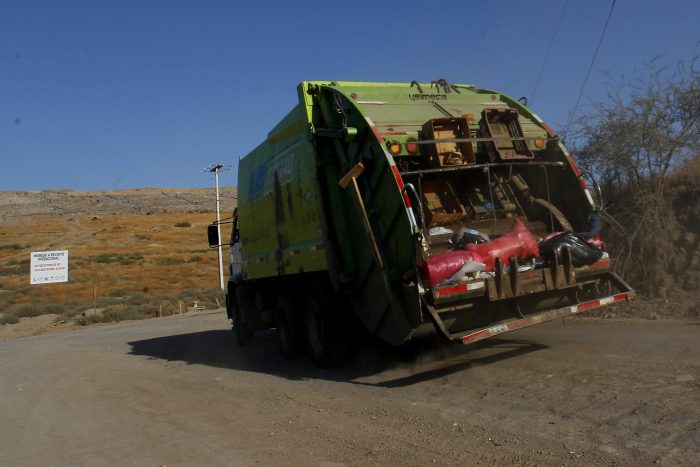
pixel 215 169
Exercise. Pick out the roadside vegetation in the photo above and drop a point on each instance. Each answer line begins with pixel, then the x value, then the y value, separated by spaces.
pixel 643 145
pixel 121 305
pixel 128 267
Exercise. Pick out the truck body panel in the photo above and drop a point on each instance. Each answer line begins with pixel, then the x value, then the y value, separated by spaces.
pixel 279 203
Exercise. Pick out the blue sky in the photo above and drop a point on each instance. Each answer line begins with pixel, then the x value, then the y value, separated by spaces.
pixel 99 94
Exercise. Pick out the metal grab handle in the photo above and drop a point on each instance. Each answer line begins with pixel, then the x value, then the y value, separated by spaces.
pixel 596 187
pixel 406 188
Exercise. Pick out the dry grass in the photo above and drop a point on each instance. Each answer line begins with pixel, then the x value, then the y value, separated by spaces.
pixel 157 255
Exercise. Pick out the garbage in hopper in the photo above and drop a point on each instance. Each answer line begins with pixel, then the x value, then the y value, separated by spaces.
pixel 518 242
pixel 446 265
pixel 582 254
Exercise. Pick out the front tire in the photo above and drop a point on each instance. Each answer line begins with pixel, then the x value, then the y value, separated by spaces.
pixel 241 331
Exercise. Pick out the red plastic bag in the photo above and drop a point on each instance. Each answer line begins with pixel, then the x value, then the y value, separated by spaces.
pixel 443 266
pixel 518 242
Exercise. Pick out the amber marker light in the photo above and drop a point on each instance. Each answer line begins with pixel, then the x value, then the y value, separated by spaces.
pixel 539 143
pixel 394 147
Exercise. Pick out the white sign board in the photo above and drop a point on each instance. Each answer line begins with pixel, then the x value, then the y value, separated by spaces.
pixel 49 266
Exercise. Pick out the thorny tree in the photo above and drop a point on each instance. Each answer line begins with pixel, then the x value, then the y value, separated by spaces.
pixel 648 129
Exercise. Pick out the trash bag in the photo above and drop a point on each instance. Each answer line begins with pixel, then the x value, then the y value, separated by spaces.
pixel 467 235
pixel 443 266
pixel 518 242
pixel 582 254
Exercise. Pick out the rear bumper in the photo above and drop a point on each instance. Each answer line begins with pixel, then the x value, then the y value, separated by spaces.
pixel 543 317
pixel 525 295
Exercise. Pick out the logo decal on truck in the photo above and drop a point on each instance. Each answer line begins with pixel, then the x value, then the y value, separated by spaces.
pixel 427 97
pixel 277 170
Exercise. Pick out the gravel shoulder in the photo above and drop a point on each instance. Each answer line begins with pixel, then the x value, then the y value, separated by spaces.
pixel 177 391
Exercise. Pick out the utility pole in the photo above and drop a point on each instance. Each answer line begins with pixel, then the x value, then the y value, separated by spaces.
pixel 215 169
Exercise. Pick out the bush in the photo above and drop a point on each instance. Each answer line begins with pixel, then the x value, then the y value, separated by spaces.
pixel 14 268
pixel 8 319
pixel 137 298
pixel 104 302
pixel 183 224
pixel 31 310
pixel 121 258
pixel 171 261
pixel 120 293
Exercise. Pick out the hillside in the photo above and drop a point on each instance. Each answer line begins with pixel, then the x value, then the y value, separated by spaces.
pixel 130 251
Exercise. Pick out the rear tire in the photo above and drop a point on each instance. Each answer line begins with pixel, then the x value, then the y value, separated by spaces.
pixel 287 329
pixel 323 333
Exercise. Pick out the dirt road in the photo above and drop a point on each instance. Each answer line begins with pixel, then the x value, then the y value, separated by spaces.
pixel 178 392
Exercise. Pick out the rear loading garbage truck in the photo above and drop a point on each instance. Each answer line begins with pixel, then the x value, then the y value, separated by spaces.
pixel 412 209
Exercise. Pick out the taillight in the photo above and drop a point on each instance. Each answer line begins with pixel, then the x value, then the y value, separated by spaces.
pixel 394 147
pixel 412 146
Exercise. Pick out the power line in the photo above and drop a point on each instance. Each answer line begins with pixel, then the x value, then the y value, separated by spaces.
pixel 588 74
pixel 549 49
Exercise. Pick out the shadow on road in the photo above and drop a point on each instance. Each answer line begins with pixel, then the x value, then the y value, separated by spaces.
pixel 373 363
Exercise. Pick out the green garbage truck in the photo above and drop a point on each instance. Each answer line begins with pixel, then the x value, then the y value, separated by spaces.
pixel 411 208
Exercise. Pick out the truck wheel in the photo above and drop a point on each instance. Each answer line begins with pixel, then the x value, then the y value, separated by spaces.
pixel 240 329
pixel 322 334
pixel 286 324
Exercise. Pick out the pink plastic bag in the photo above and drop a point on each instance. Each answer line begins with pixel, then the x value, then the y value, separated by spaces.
pixel 518 242
pixel 445 265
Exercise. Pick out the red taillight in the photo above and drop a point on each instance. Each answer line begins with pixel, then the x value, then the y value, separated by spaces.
pixel 412 146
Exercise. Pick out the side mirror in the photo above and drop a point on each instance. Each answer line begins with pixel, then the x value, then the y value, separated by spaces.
pixel 213 235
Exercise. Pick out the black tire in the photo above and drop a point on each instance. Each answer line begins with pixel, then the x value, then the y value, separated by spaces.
pixel 286 319
pixel 323 329
pixel 241 331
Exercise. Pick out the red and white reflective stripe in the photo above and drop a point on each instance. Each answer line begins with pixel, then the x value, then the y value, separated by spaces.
pixel 460 288
pixel 569 159
pixel 546 127
pixel 318 247
pixel 598 303
pixel 574 166
pixel 397 176
pixel 603 263
pixel 399 182
pixel 577 171
pixel 543 317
